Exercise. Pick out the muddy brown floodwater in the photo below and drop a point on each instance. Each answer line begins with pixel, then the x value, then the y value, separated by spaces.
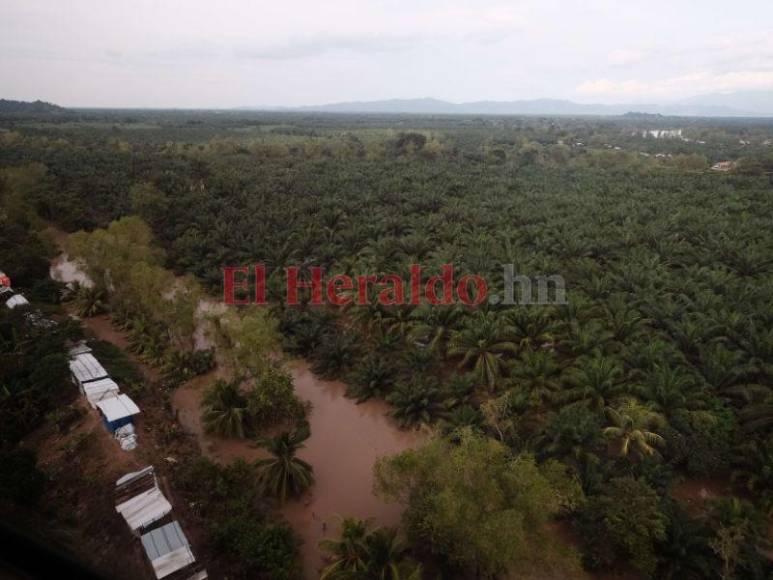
pixel 346 440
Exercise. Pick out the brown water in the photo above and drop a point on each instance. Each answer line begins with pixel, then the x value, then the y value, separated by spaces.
pixel 346 440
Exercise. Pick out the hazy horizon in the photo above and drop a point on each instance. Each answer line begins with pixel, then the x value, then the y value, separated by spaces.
pixel 267 55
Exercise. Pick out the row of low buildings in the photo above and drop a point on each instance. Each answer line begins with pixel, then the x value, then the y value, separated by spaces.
pixel 138 497
pixel 148 514
pixel 103 394
pixel 116 409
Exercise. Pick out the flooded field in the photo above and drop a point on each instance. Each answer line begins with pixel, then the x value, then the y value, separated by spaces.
pixel 346 440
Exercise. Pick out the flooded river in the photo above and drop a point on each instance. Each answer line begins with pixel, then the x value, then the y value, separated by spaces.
pixel 346 440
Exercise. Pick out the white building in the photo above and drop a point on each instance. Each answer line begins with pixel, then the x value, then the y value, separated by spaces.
pixel 139 499
pixel 168 549
pixel 85 368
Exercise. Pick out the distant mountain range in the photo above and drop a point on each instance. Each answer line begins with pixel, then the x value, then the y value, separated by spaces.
pixel 739 104
pixel 24 107
pixel 748 104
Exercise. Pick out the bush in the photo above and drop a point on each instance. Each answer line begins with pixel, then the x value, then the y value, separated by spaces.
pixel 260 549
pixel 272 400
pixel 624 522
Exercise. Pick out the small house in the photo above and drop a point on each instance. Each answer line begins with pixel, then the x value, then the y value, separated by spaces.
pixel 16 300
pixel 139 499
pixel 84 368
pixel 117 411
pixel 168 549
pixel 99 390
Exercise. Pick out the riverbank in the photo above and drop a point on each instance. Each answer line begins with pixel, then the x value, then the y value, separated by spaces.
pixel 346 440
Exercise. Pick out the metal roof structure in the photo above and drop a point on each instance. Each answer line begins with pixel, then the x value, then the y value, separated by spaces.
pixel 16 300
pixel 79 348
pixel 118 407
pixel 85 368
pixel 99 390
pixel 145 508
pixel 167 549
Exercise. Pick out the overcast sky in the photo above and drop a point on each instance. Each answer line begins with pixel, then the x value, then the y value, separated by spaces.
pixel 230 53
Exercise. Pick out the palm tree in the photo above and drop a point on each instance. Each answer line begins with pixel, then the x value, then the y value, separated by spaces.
pixel 360 554
pixel 89 300
pixel 674 390
pixel 482 344
pixel 531 328
pixel 435 326
pixel 285 474
pixel 335 354
pixel 371 377
pixel 584 338
pixel 398 320
pixel 224 409
pixel 415 402
pixel 757 417
pixel 348 553
pixel 624 320
pixel 685 554
pixel 631 422
pixel 538 374
pixel 385 554
pixel 595 383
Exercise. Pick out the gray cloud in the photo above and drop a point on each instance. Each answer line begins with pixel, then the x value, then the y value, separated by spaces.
pixel 255 52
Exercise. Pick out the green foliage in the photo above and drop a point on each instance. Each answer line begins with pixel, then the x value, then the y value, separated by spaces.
pixel 362 553
pixel 335 355
pixel 234 409
pixel 34 375
pixel 119 366
pixel 416 401
pixel 247 339
pixel 477 505
pixel 668 269
pixel 183 365
pixel 270 549
pixel 739 538
pixel 372 376
pixel 224 409
pixel 272 400
pixel 89 300
pixel 284 475
pixel 625 521
pixel 230 507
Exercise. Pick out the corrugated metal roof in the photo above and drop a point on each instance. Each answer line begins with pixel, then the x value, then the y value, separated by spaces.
pixel 167 549
pixel 145 472
pixel 100 389
pixel 16 300
pixel 80 348
pixel 115 408
pixel 144 508
pixel 85 367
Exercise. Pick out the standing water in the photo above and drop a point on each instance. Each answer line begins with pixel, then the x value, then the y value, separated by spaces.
pixel 346 440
